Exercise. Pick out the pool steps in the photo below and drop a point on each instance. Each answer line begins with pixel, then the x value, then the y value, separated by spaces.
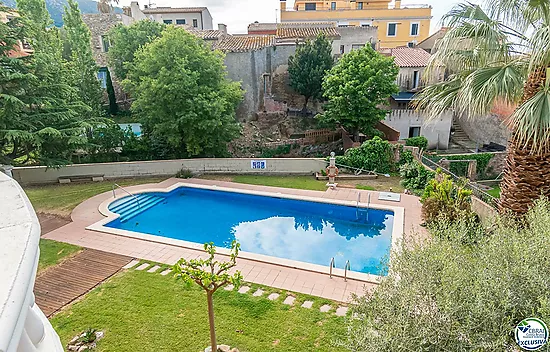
pixel 133 206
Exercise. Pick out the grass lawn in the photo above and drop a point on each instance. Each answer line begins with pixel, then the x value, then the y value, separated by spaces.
pixel 140 311
pixel 62 199
pixel 53 252
pixel 298 182
pixel 495 192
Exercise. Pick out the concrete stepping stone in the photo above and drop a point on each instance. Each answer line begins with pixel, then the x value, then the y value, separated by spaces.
pixel 258 293
pixel 166 272
pixel 153 269
pixel 307 304
pixel 131 264
pixel 273 296
pixel 325 308
pixel 244 289
pixel 143 266
pixel 289 300
pixel 229 288
pixel 341 311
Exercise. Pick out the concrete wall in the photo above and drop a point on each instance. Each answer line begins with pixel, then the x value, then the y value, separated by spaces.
pixel 436 131
pixel 405 78
pixel 42 174
pixel 351 36
pixel 485 129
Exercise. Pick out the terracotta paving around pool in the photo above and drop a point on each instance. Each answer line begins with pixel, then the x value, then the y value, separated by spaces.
pixel 302 281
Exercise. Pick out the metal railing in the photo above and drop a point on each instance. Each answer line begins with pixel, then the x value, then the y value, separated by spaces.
pixel 346 268
pixel 115 185
pixel 331 266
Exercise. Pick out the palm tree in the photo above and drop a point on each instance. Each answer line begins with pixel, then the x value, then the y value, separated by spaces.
pixel 499 52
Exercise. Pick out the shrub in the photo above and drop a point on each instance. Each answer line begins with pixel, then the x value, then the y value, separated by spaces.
pixel 420 142
pixel 461 169
pixel 405 157
pixel 184 173
pixel 415 176
pixel 444 198
pixel 278 151
pixel 373 155
pixel 442 295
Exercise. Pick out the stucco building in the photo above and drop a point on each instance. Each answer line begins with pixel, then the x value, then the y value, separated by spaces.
pixel 195 17
pixel 398 25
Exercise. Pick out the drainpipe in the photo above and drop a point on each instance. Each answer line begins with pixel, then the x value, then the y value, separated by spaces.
pixel 202 22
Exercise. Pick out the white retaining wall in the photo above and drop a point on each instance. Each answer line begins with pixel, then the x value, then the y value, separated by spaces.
pixel 42 174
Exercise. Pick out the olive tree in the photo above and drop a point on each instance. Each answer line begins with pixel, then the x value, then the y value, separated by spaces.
pixel 210 274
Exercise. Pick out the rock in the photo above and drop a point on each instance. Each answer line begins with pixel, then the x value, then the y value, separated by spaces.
pixel 234 349
pixel 99 335
pixel 72 347
pixel 224 348
pixel 83 348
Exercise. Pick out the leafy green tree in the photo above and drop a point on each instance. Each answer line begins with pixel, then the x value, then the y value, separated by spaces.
pixel 126 40
pixel 308 67
pixel 210 275
pixel 182 94
pixel 373 155
pixel 356 87
pixel 496 53
pixel 78 54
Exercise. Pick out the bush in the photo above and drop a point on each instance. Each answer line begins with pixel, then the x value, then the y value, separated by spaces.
pixel 420 142
pixel 461 169
pixel 405 157
pixel 442 295
pixel 184 173
pixel 415 177
pixel 373 155
pixel 445 199
pixel 278 151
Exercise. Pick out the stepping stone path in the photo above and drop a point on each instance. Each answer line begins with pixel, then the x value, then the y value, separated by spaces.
pixel 153 269
pixel 325 308
pixel 341 311
pixel 143 266
pixel 258 293
pixel 244 289
pixel 307 304
pixel 273 296
pixel 289 300
pixel 131 264
pixel 166 272
pixel 229 288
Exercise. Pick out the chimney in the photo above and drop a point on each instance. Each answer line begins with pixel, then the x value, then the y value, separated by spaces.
pixel 283 5
pixel 222 28
pixel 397 4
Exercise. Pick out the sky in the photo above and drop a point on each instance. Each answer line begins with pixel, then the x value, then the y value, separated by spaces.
pixel 238 14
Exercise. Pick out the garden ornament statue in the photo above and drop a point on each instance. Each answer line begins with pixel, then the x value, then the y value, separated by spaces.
pixel 332 171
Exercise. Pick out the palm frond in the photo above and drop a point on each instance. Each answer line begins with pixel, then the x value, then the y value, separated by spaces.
pixel 437 98
pixel 540 44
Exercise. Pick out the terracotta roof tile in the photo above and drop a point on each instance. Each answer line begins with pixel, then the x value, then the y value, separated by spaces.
pixel 209 34
pixel 408 57
pixel 291 30
pixel 157 10
pixel 262 27
pixel 244 43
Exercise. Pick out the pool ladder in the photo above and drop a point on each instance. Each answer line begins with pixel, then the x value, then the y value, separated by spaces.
pixel 357 209
pixel 346 268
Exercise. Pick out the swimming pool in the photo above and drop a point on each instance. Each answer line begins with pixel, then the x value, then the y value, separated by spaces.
pixel 267 227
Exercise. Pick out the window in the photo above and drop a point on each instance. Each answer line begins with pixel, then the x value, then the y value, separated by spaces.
pixel 392 29
pixel 180 21
pixel 416 79
pixel 167 21
pixel 105 43
pixel 195 23
pixel 102 77
pixel 414 29
pixel 410 44
pixel 414 132
pixel 311 6
pixel 342 49
pixel 357 46
pixel 333 5
pixel 359 6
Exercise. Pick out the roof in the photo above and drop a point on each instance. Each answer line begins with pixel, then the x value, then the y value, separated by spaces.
pixel 256 26
pixel 207 34
pixel 159 10
pixel 244 43
pixel 291 30
pixel 408 57
pixel 440 33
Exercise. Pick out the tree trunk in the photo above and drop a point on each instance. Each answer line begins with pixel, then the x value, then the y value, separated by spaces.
pixel 526 174
pixel 213 343
pixel 304 109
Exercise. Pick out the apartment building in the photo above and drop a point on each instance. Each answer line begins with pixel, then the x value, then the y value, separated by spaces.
pixel 196 17
pixel 398 25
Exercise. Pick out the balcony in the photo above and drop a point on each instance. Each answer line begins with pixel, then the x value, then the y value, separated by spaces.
pixel 23 326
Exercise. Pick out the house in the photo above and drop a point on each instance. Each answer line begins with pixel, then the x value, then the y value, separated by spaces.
pixel 403 117
pixel 21 49
pixel 397 25
pixel 196 17
pixel 429 44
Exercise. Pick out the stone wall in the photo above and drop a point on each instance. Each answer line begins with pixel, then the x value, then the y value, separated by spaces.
pixel 42 174
pixel 437 131
pixel 485 129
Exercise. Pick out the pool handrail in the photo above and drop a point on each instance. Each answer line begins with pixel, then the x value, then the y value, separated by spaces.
pixel 331 266
pixel 115 185
pixel 346 268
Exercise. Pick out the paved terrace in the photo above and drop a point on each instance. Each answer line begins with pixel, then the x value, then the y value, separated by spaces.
pixel 277 276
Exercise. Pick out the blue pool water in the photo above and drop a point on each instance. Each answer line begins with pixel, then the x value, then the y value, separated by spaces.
pixel 299 230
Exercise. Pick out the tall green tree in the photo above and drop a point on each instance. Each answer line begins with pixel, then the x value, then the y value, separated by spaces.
pixel 491 59
pixel 78 54
pixel 126 40
pixel 183 96
pixel 308 67
pixel 356 87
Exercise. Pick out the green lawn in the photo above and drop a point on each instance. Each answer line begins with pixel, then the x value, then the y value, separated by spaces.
pixel 140 311
pixel 495 192
pixel 52 253
pixel 62 199
pixel 298 182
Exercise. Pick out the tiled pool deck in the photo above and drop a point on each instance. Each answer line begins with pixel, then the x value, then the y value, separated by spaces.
pixel 277 276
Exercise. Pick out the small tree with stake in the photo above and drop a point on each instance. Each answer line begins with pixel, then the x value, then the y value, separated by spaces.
pixel 210 274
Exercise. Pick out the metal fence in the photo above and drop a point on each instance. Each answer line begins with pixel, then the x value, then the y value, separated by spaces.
pixel 474 188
